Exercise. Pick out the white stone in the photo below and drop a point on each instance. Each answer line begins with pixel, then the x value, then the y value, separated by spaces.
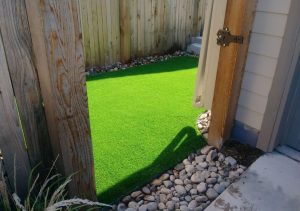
pixel 203 165
pixel 219 188
pixel 149 198
pixel 133 205
pixel 190 168
pixel 164 177
pixel 165 190
pixel 188 187
pixel 186 162
pixel 201 198
pixel 211 193
pixel 161 206
pixel 230 160
pixel 200 158
pixel 212 155
pixel 192 205
pixel 163 198
pixel 170 205
pixel 201 188
pixel 131 209
pixel 197 177
pixel 179 167
pixel 135 194
pixel 121 207
pixel 146 190
pixel 152 206
pixel 168 183
pixel 180 190
pixel 144 207
pixel 193 191
pixel 184 208
pixel 211 180
pixel 178 182
pixel 205 150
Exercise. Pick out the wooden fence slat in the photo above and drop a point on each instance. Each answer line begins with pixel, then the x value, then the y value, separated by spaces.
pixel 85 28
pixel 11 139
pixel 18 49
pixel 91 32
pixel 100 32
pixel 239 18
pixel 95 34
pixel 125 31
pixel 105 32
pixel 154 26
pixel 147 27
pixel 55 29
pixel 117 28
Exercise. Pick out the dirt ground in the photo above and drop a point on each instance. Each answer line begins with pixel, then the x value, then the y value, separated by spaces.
pixel 244 154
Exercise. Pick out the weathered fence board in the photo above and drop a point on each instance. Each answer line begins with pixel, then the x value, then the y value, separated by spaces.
pixel 124 31
pixel 55 29
pixel 18 49
pixel 117 30
pixel 12 144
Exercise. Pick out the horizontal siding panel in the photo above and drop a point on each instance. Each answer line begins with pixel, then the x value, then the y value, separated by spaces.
pixel 258 84
pixel 276 6
pixel 261 65
pixel 253 101
pixel 269 23
pixel 248 117
pixel 265 45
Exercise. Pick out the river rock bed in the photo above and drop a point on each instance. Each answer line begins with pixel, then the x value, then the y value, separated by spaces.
pixel 203 122
pixel 136 62
pixel 192 185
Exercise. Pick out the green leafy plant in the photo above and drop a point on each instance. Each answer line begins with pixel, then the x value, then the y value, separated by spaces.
pixel 49 195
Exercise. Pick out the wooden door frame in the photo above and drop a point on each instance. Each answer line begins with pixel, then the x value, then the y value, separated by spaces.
pixel 239 18
pixel 268 137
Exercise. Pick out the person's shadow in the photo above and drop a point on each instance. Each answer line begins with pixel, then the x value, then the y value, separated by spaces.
pixel 184 143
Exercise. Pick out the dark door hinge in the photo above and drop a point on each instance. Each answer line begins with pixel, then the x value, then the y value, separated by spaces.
pixel 225 37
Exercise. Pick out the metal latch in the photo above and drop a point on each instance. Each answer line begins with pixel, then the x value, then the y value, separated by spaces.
pixel 224 37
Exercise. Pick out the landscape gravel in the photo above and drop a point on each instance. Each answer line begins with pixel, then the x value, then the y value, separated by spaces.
pixel 192 185
pixel 135 62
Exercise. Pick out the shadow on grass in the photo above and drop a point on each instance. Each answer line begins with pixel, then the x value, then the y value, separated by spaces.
pixel 184 143
pixel 174 64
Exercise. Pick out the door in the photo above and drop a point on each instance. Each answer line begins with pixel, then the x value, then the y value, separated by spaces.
pixel 290 125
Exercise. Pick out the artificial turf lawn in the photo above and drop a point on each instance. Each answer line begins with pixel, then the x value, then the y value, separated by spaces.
pixel 142 122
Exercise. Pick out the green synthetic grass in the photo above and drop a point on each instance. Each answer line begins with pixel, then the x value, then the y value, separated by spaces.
pixel 142 122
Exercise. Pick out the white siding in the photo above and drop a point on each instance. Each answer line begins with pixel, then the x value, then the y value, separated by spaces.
pixel 265 43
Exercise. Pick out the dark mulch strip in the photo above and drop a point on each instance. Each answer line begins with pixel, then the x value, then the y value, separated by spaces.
pixel 243 153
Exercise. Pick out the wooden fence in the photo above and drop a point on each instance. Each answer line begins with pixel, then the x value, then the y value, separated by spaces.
pixel 43 101
pixel 117 30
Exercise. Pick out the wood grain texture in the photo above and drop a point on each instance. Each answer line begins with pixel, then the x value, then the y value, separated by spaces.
pixel 239 18
pixel 55 27
pixel 12 144
pixel 18 49
pixel 85 28
pixel 125 30
pixel 200 78
pixel 153 26
pixel 209 71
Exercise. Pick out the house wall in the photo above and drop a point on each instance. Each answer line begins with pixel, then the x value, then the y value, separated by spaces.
pixel 265 44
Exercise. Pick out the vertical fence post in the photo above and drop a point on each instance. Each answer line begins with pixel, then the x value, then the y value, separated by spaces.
pixel 12 144
pixel 57 43
pixel 124 31
pixel 19 55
